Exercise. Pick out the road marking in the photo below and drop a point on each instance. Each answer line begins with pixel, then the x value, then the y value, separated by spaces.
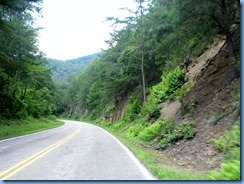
pixel 20 166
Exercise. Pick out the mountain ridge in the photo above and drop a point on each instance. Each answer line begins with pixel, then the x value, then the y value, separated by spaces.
pixel 63 69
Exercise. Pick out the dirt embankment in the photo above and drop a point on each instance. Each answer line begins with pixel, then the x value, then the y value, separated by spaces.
pixel 211 104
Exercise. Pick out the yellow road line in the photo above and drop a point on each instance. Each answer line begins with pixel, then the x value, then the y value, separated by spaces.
pixel 20 166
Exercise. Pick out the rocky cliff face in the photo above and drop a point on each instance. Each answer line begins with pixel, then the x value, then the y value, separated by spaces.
pixel 212 104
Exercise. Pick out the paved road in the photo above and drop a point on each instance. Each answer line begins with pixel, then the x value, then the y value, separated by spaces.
pixel 75 151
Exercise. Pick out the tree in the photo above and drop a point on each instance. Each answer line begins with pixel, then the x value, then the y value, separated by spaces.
pixel 142 47
pixel 206 18
pixel 24 74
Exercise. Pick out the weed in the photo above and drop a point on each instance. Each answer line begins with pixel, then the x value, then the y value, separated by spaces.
pixel 168 89
pixel 26 126
pixel 230 146
pixel 133 109
pixel 171 134
pixel 231 140
pixel 186 130
pixel 153 131
pixel 134 131
pixel 120 125
pixel 229 171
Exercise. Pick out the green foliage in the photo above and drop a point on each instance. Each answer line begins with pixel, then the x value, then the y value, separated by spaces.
pixel 154 130
pixel 172 83
pixel 109 109
pixel 184 131
pixel 229 142
pixel 185 89
pixel 61 70
pixel 169 31
pixel 165 90
pixel 229 171
pixel 230 146
pixel 133 109
pixel 134 131
pixel 24 75
pixel 13 128
pixel 38 102
pixel 120 125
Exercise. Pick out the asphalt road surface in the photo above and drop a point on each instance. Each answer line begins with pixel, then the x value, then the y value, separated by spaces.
pixel 75 151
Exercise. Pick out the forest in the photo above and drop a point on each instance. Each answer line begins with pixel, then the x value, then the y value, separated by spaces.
pixel 156 41
pixel 126 86
pixel 27 87
pixel 61 70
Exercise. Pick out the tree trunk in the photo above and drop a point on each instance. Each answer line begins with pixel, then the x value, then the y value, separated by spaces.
pixel 142 55
pixel 24 94
pixel 143 74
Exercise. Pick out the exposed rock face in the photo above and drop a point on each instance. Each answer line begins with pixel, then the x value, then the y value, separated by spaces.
pixel 195 70
pixel 120 108
pixel 211 105
pixel 170 109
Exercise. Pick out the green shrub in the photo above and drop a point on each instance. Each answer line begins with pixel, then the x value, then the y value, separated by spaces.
pixel 167 128
pixel 97 121
pixel 165 90
pixel 109 109
pixel 186 130
pixel 172 134
pixel 173 82
pixel 120 125
pixel 230 146
pixel 152 131
pixel 228 142
pixel 133 109
pixel 134 131
pixel 106 123
pixel 229 171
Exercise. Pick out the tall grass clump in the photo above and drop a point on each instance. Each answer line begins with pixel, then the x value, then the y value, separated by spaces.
pixel 229 145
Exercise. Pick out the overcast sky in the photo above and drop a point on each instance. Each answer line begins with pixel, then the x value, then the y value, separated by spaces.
pixel 74 28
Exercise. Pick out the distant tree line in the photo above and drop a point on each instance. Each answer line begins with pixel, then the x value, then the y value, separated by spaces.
pixel 62 70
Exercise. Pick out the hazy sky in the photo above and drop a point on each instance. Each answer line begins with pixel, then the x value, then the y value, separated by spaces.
pixel 74 28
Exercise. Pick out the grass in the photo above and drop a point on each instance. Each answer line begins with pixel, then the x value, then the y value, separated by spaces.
pixel 152 162
pixel 160 165
pixel 13 128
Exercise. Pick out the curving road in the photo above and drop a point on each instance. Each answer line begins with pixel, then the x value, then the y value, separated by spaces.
pixel 75 151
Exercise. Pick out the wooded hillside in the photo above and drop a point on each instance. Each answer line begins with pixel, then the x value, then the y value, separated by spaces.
pixel 160 38
pixel 62 70
pixel 170 79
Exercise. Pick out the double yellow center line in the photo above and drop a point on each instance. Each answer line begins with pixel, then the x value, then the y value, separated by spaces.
pixel 20 166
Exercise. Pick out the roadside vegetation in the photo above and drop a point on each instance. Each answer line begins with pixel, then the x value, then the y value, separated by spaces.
pixel 126 86
pixel 146 65
pixel 13 128
pixel 27 89
pixel 229 145
pixel 161 165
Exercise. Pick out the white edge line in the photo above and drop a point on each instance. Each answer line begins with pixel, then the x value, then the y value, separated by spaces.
pixel 13 138
pixel 143 169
